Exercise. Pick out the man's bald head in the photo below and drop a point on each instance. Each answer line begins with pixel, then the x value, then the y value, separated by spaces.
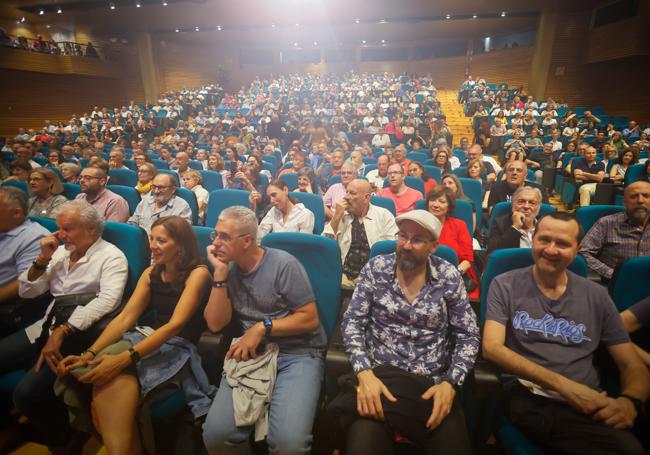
pixel 358 197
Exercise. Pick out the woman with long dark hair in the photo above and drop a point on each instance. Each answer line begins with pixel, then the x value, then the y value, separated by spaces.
pixel 177 287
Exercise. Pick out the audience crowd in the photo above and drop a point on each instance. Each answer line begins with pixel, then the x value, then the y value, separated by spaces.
pixel 363 159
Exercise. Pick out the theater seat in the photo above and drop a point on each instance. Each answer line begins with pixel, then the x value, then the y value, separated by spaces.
pixel 634 173
pixel 291 179
pixel 211 180
pixel 129 194
pixel 221 199
pixel 189 197
pixel 314 203
pixel 125 177
pixel 321 258
pixel 71 190
pixel 20 184
pixel 631 282
pixel 384 202
pixel 503 208
pixel 587 216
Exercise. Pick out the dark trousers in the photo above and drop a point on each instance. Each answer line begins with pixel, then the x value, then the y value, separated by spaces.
pixel 559 428
pixel 371 437
pixel 33 396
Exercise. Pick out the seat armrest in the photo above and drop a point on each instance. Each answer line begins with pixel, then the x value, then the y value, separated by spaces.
pixel 487 378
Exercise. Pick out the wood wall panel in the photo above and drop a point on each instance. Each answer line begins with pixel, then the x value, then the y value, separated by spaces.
pixel 18 59
pixel 29 98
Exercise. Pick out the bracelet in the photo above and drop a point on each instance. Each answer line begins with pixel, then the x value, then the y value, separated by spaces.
pixel 38 266
pixel 91 351
pixel 220 284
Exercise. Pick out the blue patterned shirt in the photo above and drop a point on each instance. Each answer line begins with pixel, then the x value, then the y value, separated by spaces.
pixel 435 336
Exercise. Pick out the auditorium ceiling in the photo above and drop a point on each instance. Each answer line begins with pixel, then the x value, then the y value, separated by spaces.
pixel 287 22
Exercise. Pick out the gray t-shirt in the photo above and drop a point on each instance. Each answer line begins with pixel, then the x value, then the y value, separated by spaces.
pixel 560 335
pixel 276 287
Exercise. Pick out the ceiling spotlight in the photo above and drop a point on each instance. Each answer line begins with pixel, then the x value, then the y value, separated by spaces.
pixel 297 24
pixel 196 29
pixel 474 16
pixel 383 21
pixel 48 26
pixel 315 43
pixel 295 44
pixel 111 6
pixel 448 16
pixel 503 14
pixel 59 10
pixel 272 25
pixel 22 19
pixel 41 12
pixel 383 41
pixel 363 42
pixel 357 21
pixel 138 4
pixel 177 30
pixel 164 3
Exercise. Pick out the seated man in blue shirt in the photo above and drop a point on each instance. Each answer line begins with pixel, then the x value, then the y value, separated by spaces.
pixel 590 173
pixel 412 338
pixel 19 240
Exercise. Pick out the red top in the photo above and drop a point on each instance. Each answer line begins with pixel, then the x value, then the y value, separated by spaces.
pixel 428 186
pixel 404 202
pixel 456 236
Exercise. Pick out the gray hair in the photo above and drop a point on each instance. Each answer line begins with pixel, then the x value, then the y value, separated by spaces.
pixel 15 197
pixel 88 215
pixel 244 218
pixel 75 169
pixel 537 192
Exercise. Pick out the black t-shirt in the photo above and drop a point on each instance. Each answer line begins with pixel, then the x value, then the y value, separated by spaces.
pixel 502 192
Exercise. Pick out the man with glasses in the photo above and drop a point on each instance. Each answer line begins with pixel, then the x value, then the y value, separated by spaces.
pixel 515 229
pixel 268 293
pixel 412 338
pixel 336 192
pixel 403 196
pixel 161 201
pixel 516 173
pixel 356 226
pixel 92 182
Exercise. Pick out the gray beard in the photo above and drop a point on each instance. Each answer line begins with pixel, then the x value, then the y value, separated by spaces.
pixel 407 262
pixel 639 215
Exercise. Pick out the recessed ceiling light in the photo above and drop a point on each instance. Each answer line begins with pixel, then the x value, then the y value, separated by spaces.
pixel 138 4
pixel 41 12
pixel 383 41
pixel 164 3
pixel 111 6
pixel 474 16
pixel 357 21
pixel 363 42
pixel 48 26
pixel 196 29
pixel 503 14
pixel 297 24
pixel 295 44
pixel 177 30
pixel 272 25
pixel 315 43
pixel 22 19
pixel 383 21
pixel 448 16
pixel 219 27
pixel 59 10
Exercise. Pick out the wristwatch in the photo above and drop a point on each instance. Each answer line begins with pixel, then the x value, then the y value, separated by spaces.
pixel 268 326
pixel 135 355
pixel 638 404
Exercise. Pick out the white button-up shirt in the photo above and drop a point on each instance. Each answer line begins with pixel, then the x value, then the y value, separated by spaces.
pixel 300 219
pixel 103 269
pixel 379 224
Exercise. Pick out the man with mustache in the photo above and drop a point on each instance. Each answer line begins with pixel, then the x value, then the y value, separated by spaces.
pixel 618 237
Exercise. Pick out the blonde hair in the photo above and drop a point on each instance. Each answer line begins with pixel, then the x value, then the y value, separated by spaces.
pixel 50 176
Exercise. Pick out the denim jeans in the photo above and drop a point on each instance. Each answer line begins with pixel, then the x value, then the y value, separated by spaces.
pixel 291 414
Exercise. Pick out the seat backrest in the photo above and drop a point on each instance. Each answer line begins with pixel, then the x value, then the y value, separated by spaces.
pixel 195 164
pixel 631 283
pixel 130 195
pixel 434 172
pixel 203 238
pixel 588 215
pixel 384 202
pixel 472 189
pixel 369 167
pixel 460 171
pixel 71 190
pixel 211 180
pixel 388 247
pixel 634 173
pixel 313 202
pixel 321 258
pixel 47 223
pixel 125 177
pixel 502 208
pixel 417 156
pixel 134 243
pixel 501 261
pixel 160 164
pixel 291 179
pixel 20 184
pixel 172 173
pixel 189 197
pixel 221 199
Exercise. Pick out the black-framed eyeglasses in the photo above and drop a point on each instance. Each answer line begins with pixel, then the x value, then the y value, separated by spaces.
pixel 89 177
pixel 161 187
pixel 214 235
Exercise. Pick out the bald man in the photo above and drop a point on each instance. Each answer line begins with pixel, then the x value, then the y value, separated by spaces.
pixel 356 226
pixel 615 238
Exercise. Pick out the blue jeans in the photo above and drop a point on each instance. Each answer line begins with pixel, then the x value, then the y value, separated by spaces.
pixel 291 414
